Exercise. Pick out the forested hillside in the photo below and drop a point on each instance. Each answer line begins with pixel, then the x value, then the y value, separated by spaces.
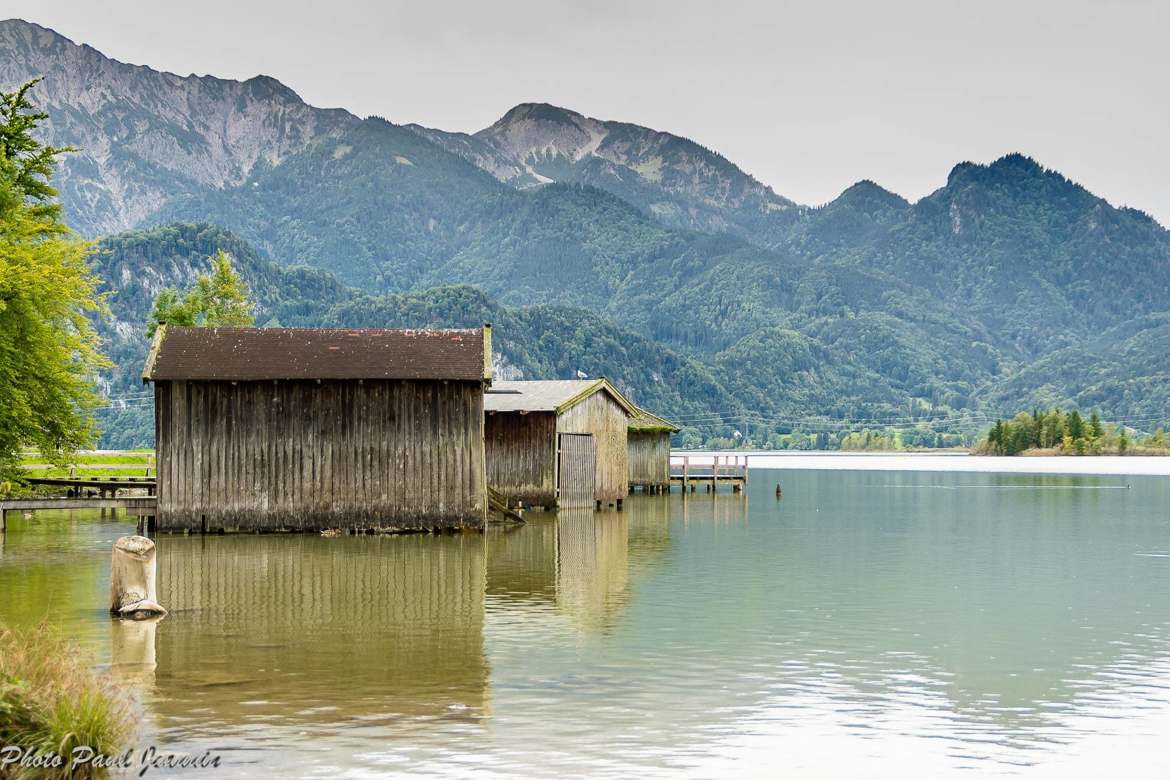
pixel 1041 262
pixel 532 342
pixel 611 248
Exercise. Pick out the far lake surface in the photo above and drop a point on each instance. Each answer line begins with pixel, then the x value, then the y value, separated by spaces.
pixel 868 624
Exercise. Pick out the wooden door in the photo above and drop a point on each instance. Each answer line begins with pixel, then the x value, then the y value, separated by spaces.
pixel 576 469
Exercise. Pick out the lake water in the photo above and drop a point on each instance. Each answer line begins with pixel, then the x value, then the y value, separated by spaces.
pixel 868 624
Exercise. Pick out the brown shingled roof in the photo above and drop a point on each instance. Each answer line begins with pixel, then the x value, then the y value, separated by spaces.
pixel 243 354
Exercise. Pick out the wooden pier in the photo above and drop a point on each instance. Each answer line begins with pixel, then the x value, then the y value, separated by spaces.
pixel 710 471
pixel 142 506
pixel 104 487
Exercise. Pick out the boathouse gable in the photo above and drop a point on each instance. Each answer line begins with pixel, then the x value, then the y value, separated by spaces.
pixel 525 420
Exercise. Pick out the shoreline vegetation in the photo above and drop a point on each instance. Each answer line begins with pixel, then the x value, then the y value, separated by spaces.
pixel 1053 432
pixel 52 701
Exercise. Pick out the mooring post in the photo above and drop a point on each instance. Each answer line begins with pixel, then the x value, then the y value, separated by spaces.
pixel 715 474
pixel 686 472
pixel 132 579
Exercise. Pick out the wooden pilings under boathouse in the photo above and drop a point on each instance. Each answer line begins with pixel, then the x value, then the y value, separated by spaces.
pixel 284 429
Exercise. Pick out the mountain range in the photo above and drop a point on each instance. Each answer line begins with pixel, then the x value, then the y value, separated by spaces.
pixel 1010 286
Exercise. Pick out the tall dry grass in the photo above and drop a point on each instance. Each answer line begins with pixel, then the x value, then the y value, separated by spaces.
pixel 51 701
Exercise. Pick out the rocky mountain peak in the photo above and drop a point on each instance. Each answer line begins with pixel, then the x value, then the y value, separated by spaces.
pixel 145 135
pixel 544 137
pixel 679 181
pixel 539 112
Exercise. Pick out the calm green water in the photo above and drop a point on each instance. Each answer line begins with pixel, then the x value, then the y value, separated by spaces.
pixel 872 624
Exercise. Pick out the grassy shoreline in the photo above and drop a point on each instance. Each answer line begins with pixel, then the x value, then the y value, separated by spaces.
pixel 52 702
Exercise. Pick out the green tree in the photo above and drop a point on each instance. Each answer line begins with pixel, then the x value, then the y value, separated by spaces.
pixel 995 438
pixel 1074 425
pixel 1053 428
pixel 1122 441
pixel 217 299
pixel 48 348
pixel 1095 429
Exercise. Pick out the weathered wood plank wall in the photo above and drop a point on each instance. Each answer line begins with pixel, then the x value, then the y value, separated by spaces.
pixel 303 455
pixel 521 456
pixel 649 457
pixel 576 470
pixel 605 418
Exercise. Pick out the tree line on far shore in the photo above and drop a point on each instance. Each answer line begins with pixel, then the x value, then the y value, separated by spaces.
pixel 1068 433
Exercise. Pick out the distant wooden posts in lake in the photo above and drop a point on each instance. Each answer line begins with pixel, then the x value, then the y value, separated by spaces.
pixel 284 429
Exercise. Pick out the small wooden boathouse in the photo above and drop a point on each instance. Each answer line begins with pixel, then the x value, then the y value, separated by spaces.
pixel 557 443
pixel 287 429
pixel 648 437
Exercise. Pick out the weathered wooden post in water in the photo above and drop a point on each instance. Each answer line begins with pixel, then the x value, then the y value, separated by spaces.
pixel 132 579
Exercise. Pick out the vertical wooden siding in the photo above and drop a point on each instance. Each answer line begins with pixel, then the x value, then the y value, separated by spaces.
pixel 649 456
pixel 521 456
pixel 300 455
pixel 576 470
pixel 605 418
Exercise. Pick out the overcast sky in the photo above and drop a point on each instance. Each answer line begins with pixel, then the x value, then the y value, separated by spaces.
pixel 807 96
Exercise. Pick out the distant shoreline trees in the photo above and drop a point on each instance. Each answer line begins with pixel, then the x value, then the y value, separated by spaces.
pixel 1066 433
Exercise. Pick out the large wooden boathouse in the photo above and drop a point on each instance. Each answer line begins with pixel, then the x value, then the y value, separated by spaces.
pixel 649 451
pixel 557 443
pixel 275 429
